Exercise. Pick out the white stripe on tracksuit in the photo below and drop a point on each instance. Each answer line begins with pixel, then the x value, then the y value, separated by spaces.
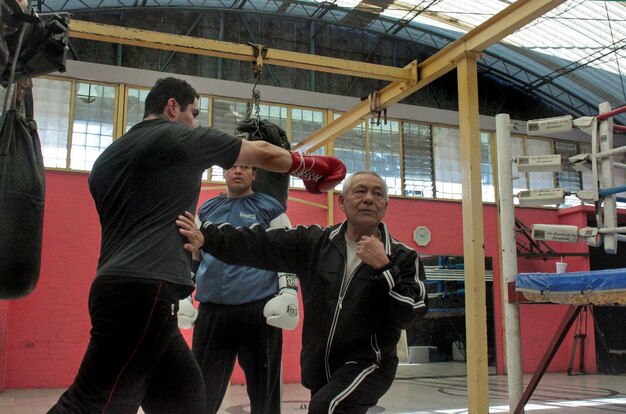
pixel 353 386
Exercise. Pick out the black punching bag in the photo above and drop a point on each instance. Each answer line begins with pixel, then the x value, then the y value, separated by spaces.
pixel 271 183
pixel 22 192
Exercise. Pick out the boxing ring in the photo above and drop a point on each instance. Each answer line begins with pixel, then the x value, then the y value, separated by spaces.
pixel 599 287
pixel 577 289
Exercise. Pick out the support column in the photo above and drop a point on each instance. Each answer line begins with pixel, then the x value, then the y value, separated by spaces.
pixel 508 261
pixel 473 236
pixel 607 179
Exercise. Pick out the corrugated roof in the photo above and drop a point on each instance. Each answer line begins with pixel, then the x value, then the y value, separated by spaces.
pixel 574 56
pixel 576 49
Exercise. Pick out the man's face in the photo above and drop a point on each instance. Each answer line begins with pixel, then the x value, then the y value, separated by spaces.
pixel 365 204
pixel 239 179
pixel 188 116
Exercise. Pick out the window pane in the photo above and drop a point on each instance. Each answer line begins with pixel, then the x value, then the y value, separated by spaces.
pixel 539 179
pixel 486 168
pixel 350 148
pixel 568 178
pixel 520 183
pixel 418 160
pixel 304 122
pixel 135 106
pixel 52 112
pixel 384 153
pixel 275 114
pixel 203 111
pixel 587 176
pixel 92 129
pixel 447 160
pixel 227 114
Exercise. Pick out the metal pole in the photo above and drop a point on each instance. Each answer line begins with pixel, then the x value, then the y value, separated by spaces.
pixel 607 178
pixel 506 213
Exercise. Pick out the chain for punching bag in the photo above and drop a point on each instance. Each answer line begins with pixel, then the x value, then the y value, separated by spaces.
pixel 270 183
pixel 253 107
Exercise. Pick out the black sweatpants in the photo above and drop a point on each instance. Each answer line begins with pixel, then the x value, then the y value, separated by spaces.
pixel 136 355
pixel 353 388
pixel 223 333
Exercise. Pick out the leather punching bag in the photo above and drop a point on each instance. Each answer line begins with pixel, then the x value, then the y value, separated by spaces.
pixel 267 182
pixel 22 192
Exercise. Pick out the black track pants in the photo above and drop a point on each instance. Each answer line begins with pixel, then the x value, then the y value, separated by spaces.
pixel 223 333
pixel 353 388
pixel 136 355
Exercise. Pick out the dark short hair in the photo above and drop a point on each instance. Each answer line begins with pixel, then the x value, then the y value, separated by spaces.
pixel 166 88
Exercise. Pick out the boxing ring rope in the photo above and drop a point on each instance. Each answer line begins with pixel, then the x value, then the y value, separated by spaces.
pixel 577 289
pixel 614 190
pixel 620 128
pixel 609 114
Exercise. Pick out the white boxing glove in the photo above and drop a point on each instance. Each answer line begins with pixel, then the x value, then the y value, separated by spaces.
pixel 282 310
pixel 187 313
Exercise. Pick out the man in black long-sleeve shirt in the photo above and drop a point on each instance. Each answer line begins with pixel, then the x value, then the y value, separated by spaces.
pixel 140 183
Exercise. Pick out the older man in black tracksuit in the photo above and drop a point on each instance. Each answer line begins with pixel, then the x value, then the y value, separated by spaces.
pixel 359 286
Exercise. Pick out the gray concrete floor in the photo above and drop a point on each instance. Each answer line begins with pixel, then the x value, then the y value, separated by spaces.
pixel 419 389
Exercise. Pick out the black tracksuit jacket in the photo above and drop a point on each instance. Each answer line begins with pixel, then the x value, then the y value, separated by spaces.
pixel 355 317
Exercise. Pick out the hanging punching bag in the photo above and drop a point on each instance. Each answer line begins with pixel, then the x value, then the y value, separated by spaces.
pixel 267 182
pixel 22 191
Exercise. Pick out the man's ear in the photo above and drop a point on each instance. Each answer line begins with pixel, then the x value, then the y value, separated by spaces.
pixel 341 199
pixel 170 109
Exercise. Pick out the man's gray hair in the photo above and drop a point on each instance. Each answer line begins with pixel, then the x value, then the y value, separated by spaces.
pixel 347 184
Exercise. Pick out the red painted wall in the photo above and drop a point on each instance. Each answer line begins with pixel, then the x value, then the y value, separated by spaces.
pixel 43 336
pixel 539 322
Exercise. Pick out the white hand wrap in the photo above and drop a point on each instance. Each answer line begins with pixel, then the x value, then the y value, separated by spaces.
pixel 282 310
pixel 187 313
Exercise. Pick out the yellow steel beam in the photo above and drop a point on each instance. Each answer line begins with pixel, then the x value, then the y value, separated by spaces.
pixel 186 44
pixel 473 237
pixel 403 80
pixel 386 97
pixel 491 31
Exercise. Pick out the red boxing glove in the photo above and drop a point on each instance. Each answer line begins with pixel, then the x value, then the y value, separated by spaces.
pixel 319 172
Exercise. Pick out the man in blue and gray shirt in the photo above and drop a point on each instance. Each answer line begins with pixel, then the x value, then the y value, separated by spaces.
pixel 235 301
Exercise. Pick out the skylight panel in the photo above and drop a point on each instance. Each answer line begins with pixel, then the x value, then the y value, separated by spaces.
pixel 447 14
pixel 347 4
pixel 575 32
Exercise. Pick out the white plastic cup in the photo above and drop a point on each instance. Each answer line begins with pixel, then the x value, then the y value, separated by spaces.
pixel 561 267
